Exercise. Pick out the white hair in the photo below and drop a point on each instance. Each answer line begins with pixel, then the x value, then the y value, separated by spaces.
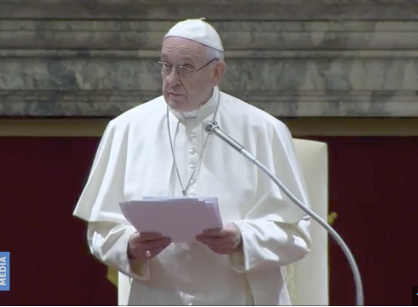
pixel 216 54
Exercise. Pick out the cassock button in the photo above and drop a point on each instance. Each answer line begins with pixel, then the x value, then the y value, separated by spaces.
pixel 190 304
pixel 192 166
pixel 192 151
pixel 192 182
pixel 192 136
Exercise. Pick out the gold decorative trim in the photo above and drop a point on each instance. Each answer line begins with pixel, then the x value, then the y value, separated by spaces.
pixel 300 127
pixel 353 126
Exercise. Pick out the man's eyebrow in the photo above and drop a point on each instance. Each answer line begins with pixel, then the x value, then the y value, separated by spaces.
pixel 186 59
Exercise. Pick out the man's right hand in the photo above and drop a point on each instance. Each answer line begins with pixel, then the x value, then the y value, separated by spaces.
pixel 145 246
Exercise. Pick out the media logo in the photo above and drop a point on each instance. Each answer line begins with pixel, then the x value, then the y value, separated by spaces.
pixel 415 296
pixel 4 271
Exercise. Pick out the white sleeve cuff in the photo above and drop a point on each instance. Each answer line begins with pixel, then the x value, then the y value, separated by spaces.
pixel 237 261
pixel 134 268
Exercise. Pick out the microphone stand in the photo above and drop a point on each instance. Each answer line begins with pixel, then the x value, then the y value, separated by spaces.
pixel 213 128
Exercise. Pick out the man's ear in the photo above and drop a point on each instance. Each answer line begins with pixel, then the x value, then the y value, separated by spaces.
pixel 219 72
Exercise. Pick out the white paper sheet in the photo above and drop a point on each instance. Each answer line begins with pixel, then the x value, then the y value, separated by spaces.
pixel 180 218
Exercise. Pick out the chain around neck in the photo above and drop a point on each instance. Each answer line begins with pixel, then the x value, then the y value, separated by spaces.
pixel 184 190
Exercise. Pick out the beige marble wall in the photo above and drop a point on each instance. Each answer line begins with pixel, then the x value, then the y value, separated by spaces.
pixel 306 58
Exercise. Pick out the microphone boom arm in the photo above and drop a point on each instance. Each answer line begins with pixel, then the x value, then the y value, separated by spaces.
pixel 213 128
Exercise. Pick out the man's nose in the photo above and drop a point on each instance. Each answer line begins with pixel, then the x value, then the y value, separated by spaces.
pixel 173 78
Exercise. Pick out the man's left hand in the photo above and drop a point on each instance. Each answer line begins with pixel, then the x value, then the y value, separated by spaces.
pixel 223 241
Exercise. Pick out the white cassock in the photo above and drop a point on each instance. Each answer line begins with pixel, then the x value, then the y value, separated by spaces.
pixel 135 160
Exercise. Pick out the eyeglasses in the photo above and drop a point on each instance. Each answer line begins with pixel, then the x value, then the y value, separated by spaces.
pixel 183 71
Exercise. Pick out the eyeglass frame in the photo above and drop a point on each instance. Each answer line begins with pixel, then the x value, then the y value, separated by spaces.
pixel 177 67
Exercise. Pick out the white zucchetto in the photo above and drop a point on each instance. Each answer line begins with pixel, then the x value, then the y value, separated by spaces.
pixel 197 30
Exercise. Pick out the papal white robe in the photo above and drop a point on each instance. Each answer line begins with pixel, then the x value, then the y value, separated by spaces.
pixel 134 160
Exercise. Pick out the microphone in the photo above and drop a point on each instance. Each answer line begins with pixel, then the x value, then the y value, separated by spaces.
pixel 213 128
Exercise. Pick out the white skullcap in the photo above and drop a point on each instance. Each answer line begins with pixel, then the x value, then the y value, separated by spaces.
pixel 197 30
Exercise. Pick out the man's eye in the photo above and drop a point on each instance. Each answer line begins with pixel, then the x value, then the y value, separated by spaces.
pixel 186 67
pixel 166 66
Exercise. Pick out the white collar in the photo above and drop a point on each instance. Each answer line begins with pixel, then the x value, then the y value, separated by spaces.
pixel 203 112
pixel 191 114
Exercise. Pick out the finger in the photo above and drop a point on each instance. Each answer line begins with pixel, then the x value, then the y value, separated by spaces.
pixel 148 245
pixel 142 246
pixel 215 232
pixel 152 252
pixel 149 249
pixel 149 236
pixel 213 240
pixel 157 250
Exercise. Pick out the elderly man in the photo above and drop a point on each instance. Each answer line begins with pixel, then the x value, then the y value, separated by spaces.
pixel 160 148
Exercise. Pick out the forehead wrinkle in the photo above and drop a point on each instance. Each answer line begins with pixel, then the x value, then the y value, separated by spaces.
pixel 183 49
